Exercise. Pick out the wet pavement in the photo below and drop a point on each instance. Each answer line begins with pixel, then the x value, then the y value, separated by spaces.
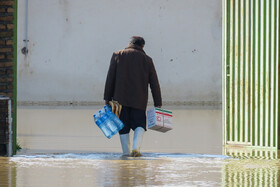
pixel 63 147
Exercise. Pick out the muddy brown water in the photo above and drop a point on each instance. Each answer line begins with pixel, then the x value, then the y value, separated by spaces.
pixel 67 130
pixel 62 147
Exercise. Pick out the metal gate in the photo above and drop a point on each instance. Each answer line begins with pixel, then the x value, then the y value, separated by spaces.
pixel 251 72
pixel 5 126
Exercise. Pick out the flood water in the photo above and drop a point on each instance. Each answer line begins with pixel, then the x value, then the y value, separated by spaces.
pixel 64 130
pixel 63 147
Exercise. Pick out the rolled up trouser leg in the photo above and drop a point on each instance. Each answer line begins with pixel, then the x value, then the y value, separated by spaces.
pixel 125 142
pixel 137 139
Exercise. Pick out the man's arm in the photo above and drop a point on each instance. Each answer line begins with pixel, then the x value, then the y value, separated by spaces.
pixel 110 81
pixel 154 85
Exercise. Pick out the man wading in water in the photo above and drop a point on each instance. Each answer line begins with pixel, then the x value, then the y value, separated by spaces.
pixel 129 74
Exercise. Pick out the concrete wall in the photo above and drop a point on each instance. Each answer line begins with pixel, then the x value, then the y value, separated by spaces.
pixel 71 43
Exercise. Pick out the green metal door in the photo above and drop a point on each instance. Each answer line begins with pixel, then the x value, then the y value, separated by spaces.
pixel 251 72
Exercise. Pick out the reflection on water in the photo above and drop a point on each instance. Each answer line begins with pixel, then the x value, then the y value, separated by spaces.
pixel 251 172
pixel 57 131
pixel 252 153
pixel 7 173
pixel 251 167
pixel 111 169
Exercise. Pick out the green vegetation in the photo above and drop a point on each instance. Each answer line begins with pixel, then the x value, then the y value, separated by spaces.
pixel 18 147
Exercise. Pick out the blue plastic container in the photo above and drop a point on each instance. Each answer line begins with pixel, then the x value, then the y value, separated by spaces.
pixel 108 122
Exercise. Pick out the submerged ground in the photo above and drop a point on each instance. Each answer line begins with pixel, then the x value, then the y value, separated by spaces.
pixel 63 147
pixel 110 169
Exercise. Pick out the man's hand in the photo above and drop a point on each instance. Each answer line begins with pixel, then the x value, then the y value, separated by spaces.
pixel 106 102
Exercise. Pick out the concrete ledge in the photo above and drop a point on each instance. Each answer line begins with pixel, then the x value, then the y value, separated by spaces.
pixel 166 104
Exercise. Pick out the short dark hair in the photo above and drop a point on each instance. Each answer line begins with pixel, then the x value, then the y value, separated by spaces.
pixel 137 40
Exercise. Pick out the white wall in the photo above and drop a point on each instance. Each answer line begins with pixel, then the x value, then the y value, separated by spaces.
pixel 71 43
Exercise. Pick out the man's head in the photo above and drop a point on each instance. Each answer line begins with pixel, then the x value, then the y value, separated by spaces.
pixel 137 40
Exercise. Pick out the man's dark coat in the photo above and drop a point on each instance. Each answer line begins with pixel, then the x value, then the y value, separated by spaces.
pixel 129 74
